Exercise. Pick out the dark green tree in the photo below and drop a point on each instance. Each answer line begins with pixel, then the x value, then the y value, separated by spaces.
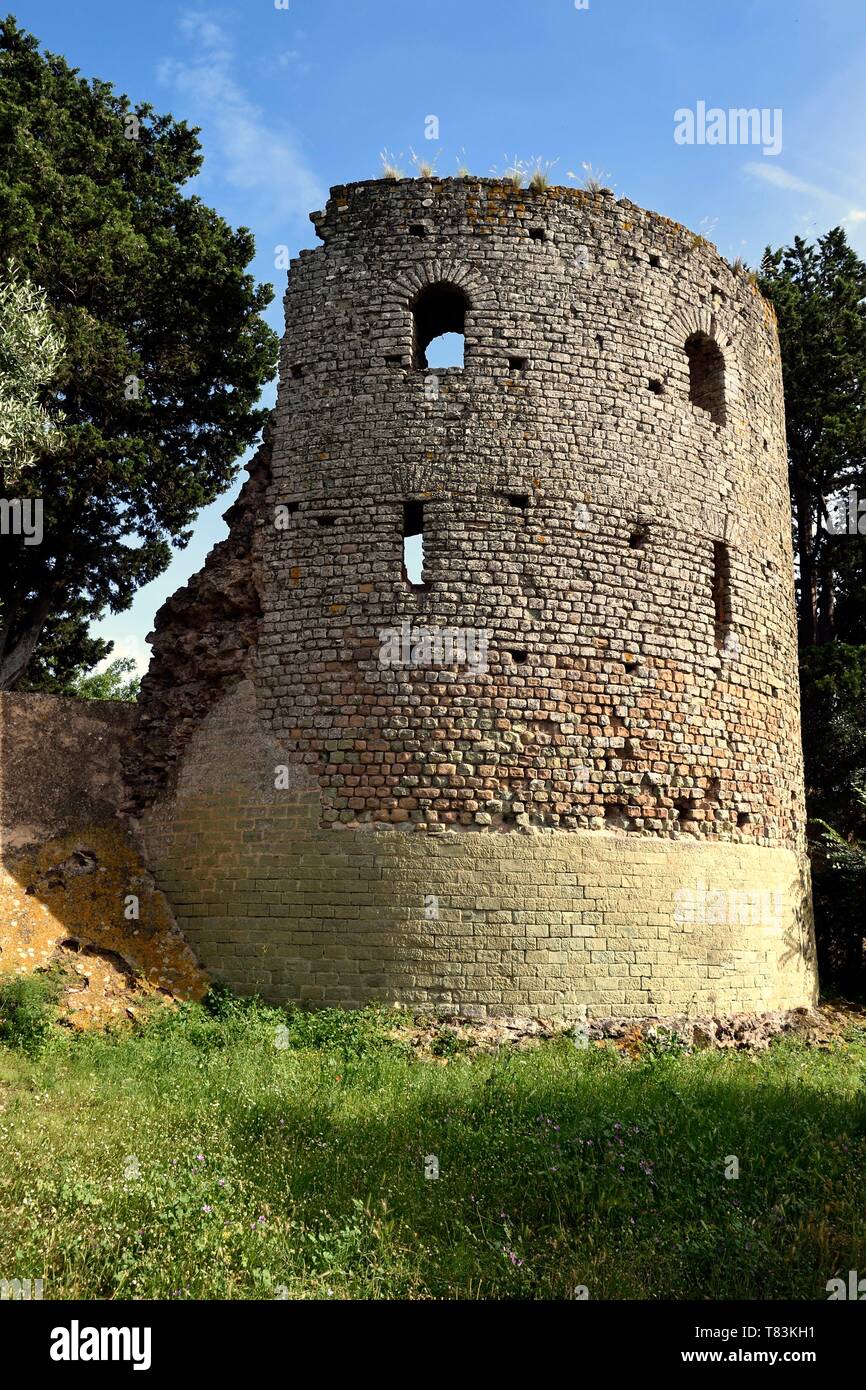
pixel 819 293
pixel 166 351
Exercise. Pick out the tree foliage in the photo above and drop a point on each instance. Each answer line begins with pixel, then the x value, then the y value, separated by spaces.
pixel 115 682
pixel 31 350
pixel 166 350
pixel 819 293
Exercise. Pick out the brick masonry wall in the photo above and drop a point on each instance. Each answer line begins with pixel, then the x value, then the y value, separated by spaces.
pixel 604 494
pixel 626 711
pixel 549 922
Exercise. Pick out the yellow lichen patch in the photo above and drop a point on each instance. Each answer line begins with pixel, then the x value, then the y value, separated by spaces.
pixel 72 902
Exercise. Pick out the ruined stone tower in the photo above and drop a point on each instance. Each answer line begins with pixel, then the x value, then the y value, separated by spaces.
pixel 563 770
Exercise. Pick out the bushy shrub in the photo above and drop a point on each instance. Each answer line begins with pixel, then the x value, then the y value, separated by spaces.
pixel 27 1010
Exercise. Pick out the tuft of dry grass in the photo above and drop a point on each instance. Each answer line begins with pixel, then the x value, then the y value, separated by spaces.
pixel 390 168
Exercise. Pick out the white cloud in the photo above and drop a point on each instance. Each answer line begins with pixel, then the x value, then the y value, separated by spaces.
pixel 129 645
pixel 262 161
pixel 780 178
pixel 772 173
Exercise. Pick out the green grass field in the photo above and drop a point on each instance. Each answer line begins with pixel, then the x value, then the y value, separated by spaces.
pixel 236 1152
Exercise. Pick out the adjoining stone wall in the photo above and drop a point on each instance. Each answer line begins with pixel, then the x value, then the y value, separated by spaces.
pixel 70 871
pixel 604 496
pixel 61 765
pixel 478 924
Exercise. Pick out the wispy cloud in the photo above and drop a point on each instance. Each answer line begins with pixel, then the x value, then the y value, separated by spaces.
pixel 772 173
pixel 780 178
pixel 261 161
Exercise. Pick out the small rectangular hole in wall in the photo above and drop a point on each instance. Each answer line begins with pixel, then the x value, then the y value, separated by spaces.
pixel 656 386
pixel 537 234
pixel 417 229
pixel 517 364
pixel 393 359
pixel 655 262
pixel 721 590
pixel 326 520
pixel 519 656
pixel 517 499
pixel 297 370
pixel 413 543
pixel 616 816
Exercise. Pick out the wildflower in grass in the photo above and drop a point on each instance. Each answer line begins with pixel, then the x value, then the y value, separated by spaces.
pixel 199 1158
pixel 207 1208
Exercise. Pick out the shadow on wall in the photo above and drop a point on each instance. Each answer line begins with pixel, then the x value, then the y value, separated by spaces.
pixel 74 893
pixel 84 904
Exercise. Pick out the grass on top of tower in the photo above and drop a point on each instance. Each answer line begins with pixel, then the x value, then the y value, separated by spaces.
pixel 228 1150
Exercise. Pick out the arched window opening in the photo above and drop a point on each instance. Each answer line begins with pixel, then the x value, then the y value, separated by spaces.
pixel 439 326
pixel 706 376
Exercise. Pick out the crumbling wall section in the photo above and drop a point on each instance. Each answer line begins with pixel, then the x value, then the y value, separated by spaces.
pixel 203 642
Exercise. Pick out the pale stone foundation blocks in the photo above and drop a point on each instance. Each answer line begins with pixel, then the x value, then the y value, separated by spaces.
pixel 550 923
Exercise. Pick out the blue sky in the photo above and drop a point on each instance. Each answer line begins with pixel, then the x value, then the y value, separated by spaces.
pixel 292 100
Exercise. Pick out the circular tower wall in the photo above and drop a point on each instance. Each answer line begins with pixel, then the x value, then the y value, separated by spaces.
pixel 563 772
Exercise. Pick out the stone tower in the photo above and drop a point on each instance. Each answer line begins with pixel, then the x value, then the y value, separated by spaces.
pixel 561 770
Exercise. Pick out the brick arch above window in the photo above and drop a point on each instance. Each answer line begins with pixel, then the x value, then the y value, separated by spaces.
pixel 696 324
pixel 401 295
